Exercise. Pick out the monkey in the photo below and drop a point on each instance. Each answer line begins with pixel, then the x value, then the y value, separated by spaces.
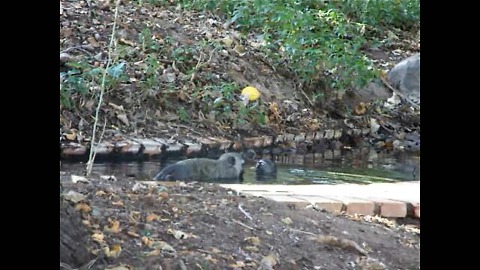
pixel 228 167
pixel 265 169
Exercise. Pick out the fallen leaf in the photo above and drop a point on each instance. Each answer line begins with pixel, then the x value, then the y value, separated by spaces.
pixel 120 268
pixel 374 126
pixel 124 119
pixel 151 217
pixel 108 177
pixel 227 41
pixel 114 227
pixel 147 241
pixel 155 252
pixel 133 234
pixel 83 207
pixel 177 234
pixel 252 248
pixel 98 237
pixel 238 264
pixel 118 203
pixel 163 195
pixel 268 262
pixel 92 41
pixel 113 252
pixel 287 221
pixel 253 240
pixel 100 193
pixel 74 196
pixel 116 107
pixel 164 247
pixel 71 136
pixel 76 179
pixel 360 109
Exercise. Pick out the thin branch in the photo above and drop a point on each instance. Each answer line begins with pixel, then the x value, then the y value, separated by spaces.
pixel 243 224
pixel 102 90
pixel 244 212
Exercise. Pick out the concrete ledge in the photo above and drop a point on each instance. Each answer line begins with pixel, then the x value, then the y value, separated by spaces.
pixel 385 199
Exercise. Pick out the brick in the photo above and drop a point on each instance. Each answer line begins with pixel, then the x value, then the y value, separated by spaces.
pixel 413 209
pixel 357 206
pixel 389 208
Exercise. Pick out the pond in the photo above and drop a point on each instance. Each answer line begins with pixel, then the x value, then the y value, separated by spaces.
pixel 360 167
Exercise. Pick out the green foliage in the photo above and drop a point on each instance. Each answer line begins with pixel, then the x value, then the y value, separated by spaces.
pixel 404 14
pixel 81 77
pixel 183 115
pixel 318 40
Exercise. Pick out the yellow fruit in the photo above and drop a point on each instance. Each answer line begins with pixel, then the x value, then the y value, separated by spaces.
pixel 251 93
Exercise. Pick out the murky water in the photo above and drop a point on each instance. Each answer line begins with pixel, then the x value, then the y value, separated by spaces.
pixel 362 167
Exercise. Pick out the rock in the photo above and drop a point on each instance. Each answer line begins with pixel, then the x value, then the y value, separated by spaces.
pixel 405 77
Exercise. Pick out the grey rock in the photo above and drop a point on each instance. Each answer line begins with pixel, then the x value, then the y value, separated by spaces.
pixel 405 77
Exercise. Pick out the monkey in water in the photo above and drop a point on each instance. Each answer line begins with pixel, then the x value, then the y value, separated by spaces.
pixel 227 167
pixel 265 169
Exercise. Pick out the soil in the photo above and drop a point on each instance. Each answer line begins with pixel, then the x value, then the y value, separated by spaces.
pixel 129 225
pixel 178 105
pixel 203 226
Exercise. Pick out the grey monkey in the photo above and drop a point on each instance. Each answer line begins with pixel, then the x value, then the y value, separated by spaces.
pixel 228 166
pixel 265 169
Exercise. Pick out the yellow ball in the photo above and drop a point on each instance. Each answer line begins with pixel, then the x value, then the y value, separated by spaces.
pixel 251 93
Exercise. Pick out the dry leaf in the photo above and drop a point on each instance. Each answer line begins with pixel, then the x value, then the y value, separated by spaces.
pixel 268 262
pixel 118 203
pixel 113 252
pixel 108 177
pixel 374 126
pixel 360 109
pixel 133 234
pixel 163 195
pixel 116 107
pixel 100 193
pixel 74 196
pixel 238 264
pixel 151 217
pixel 154 252
pixel 164 247
pixel 122 267
pixel 177 234
pixel 76 179
pixel 114 227
pixel 98 237
pixel 124 119
pixel 147 241
pixel 71 136
pixel 287 221
pixel 92 41
pixel 83 207
pixel 253 240
pixel 252 248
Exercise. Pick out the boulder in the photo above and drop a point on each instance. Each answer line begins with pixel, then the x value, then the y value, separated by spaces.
pixel 405 77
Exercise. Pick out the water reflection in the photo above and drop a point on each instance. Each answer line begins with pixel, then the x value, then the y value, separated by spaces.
pixel 360 166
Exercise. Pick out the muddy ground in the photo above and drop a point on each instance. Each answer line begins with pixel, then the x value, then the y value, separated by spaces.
pixel 203 226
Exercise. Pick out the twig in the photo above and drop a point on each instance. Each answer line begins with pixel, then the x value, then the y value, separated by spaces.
pixel 80 48
pixel 186 127
pixel 304 232
pixel 196 67
pixel 244 212
pixel 199 64
pixel 85 267
pixel 102 91
pixel 243 224
pixel 399 93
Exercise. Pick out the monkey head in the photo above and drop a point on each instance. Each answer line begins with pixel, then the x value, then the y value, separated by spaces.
pixel 265 169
